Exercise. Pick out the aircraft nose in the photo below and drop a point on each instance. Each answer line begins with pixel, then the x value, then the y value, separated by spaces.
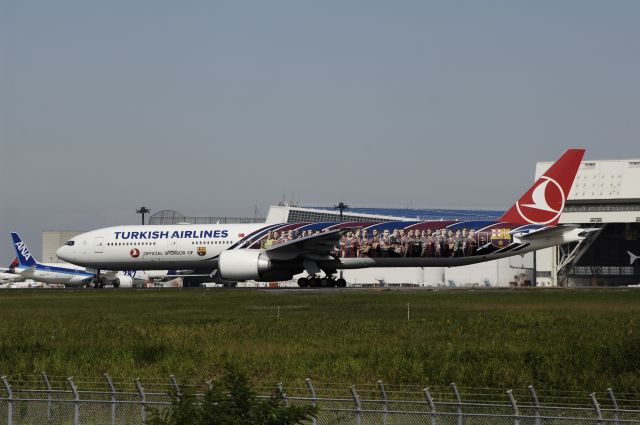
pixel 63 253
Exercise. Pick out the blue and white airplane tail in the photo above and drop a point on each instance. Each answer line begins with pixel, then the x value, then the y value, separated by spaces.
pixel 25 259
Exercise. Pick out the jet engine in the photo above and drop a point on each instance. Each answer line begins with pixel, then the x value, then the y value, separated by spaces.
pixel 122 282
pixel 252 264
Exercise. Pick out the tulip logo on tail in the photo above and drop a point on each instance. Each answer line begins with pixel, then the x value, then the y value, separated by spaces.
pixel 546 202
pixel 135 252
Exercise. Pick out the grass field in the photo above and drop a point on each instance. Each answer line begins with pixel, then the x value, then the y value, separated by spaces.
pixel 560 339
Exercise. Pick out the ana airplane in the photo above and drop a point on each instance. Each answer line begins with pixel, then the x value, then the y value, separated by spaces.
pixel 67 274
pixel 239 252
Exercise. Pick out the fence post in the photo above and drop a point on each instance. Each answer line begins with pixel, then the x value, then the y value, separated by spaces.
pixel 616 409
pixel 47 384
pixel 283 393
pixel 432 405
pixel 7 388
pixel 112 388
pixel 516 413
pixel 314 420
pixel 175 386
pixel 385 403
pixel 143 401
pixel 536 403
pixel 457 394
pixel 76 401
pixel 596 406
pixel 356 400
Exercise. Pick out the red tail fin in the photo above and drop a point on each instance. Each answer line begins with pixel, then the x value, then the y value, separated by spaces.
pixel 544 201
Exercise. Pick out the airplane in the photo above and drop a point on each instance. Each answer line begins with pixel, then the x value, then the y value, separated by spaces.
pixel 23 284
pixel 632 257
pixel 69 275
pixel 7 276
pixel 240 252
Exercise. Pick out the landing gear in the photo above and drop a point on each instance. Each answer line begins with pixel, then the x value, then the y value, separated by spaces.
pixel 328 281
pixel 97 281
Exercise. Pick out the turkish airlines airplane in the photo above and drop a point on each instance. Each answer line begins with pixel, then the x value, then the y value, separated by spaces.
pixel 239 252
pixel 69 275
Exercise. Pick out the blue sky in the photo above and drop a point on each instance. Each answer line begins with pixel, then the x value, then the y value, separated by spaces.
pixel 211 107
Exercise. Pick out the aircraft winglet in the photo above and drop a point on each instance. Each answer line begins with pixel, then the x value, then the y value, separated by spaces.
pixel 542 204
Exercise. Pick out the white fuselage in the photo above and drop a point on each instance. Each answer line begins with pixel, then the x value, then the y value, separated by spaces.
pixel 154 247
pixel 198 247
pixel 56 273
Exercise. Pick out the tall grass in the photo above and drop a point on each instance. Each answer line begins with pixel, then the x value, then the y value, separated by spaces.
pixel 568 339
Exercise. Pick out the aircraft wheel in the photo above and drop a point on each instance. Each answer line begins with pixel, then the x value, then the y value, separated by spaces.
pixel 341 283
pixel 303 282
pixel 314 282
pixel 116 283
pixel 325 282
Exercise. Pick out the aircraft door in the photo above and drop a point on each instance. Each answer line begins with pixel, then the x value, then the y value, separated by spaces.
pixel 97 246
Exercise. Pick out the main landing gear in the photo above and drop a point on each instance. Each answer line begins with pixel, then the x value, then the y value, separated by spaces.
pixel 97 282
pixel 314 281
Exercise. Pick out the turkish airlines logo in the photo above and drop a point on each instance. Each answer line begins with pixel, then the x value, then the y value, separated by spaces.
pixel 547 202
pixel 135 252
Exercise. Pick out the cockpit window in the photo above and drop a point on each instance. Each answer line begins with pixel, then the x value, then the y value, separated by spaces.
pixel 70 243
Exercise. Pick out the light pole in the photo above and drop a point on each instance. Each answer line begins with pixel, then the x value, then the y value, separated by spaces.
pixel 341 206
pixel 143 210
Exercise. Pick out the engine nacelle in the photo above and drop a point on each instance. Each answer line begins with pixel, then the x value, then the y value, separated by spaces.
pixel 243 264
pixel 122 282
pixel 252 264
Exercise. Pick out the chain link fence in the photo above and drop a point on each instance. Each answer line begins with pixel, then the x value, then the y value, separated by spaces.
pixel 59 400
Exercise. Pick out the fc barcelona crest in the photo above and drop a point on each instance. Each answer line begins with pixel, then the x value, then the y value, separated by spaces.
pixel 500 237
pixel 202 251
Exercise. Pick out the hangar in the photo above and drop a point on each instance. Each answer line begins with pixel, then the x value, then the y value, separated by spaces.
pixel 605 195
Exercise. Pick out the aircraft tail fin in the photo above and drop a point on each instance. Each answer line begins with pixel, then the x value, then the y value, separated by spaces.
pixel 543 203
pixel 25 259
pixel 632 257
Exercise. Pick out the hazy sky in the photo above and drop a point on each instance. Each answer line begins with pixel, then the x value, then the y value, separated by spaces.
pixel 210 107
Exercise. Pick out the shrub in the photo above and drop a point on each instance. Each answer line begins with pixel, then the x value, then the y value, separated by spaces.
pixel 231 401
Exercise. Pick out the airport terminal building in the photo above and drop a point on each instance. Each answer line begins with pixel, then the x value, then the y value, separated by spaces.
pixel 605 196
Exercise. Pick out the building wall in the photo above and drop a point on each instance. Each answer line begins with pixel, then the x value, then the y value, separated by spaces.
pixel 51 241
pixel 603 180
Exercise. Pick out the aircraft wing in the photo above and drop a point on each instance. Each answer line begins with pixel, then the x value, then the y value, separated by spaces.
pixel 317 247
